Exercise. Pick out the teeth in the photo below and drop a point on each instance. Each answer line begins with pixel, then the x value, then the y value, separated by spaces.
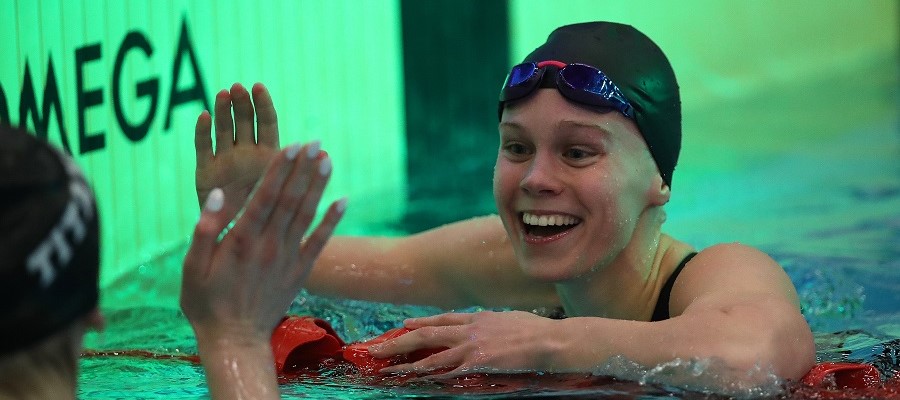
pixel 548 220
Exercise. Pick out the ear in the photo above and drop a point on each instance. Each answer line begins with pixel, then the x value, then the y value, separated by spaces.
pixel 95 320
pixel 659 192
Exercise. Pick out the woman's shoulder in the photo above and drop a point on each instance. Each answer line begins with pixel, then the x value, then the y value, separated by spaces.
pixel 729 270
pixel 723 255
pixel 736 256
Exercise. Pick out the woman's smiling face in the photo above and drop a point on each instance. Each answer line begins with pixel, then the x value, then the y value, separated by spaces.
pixel 570 184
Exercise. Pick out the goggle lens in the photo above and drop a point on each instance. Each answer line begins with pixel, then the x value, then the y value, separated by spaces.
pixel 521 73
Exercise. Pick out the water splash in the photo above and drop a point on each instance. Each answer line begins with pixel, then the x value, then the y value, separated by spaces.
pixel 710 376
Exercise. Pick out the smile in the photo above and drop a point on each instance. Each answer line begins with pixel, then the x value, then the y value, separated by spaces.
pixel 547 227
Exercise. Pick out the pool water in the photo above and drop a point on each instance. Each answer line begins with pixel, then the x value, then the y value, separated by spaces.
pixel 827 210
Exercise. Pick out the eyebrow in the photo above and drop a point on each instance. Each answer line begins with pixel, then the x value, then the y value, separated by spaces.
pixel 578 126
pixel 511 124
pixel 568 124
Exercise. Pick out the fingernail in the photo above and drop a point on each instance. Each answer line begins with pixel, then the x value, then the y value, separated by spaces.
pixel 313 150
pixel 292 151
pixel 214 201
pixel 341 205
pixel 325 166
pixel 375 347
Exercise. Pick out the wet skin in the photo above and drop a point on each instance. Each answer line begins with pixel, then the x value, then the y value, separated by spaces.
pixel 584 166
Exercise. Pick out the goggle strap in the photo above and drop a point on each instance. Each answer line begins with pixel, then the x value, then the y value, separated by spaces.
pixel 557 64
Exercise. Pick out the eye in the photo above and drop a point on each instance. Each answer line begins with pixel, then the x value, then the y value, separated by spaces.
pixel 515 150
pixel 576 153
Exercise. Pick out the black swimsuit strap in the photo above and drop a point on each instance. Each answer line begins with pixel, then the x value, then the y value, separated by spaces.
pixel 662 304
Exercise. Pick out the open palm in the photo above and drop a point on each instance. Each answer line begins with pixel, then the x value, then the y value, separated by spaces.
pixel 242 150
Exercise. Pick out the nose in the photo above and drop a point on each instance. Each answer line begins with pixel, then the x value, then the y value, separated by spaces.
pixel 541 178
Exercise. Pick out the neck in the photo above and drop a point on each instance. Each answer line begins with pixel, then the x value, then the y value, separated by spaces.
pixel 627 286
pixel 47 370
pixel 46 386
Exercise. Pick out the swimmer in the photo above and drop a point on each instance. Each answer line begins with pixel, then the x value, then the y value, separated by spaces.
pixel 49 269
pixel 50 265
pixel 590 133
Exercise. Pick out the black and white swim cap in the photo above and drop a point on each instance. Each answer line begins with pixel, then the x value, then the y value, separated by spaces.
pixel 49 252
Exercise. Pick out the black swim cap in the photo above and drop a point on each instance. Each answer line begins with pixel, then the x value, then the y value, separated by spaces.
pixel 49 254
pixel 641 71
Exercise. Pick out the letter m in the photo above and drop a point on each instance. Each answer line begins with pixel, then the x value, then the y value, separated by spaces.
pixel 41 118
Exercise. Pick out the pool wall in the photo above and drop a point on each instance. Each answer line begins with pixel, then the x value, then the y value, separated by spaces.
pixel 120 85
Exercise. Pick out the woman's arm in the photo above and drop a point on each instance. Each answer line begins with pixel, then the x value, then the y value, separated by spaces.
pixel 743 297
pixel 461 264
pixel 732 304
pixel 236 289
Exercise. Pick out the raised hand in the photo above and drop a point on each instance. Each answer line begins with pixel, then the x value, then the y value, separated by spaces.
pixel 242 151
pixel 235 290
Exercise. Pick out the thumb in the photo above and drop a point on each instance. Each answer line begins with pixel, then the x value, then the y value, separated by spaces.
pixel 206 233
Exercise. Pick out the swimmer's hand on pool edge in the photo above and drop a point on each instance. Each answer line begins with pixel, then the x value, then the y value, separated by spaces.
pixel 235 290
pixel 508 342
pixel 241 152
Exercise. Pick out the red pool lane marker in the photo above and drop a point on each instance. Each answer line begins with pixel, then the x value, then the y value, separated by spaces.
pixel 304 342
pixel 191 358
pixel 843 375
pixel 834 381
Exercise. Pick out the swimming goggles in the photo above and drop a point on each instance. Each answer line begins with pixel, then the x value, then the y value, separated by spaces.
pixel 578 82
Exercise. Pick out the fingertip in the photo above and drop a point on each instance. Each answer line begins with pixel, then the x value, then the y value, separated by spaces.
pixel 258 88
pixel 312 149
pixel 325 167
pixel 340 206
pixel 238 90
pixel 223 101
pixel 388 370
pixel 214 202
pixel 291 151
pixel 204 119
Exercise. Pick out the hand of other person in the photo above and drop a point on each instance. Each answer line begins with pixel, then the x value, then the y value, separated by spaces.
pixel 510 341
pixel 236 289
pixel 241 152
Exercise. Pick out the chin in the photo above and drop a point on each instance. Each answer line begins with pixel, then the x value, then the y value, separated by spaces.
pixel 549 272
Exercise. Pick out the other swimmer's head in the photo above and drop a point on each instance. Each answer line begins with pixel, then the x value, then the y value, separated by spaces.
pixel 49 255
pixel 647 89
